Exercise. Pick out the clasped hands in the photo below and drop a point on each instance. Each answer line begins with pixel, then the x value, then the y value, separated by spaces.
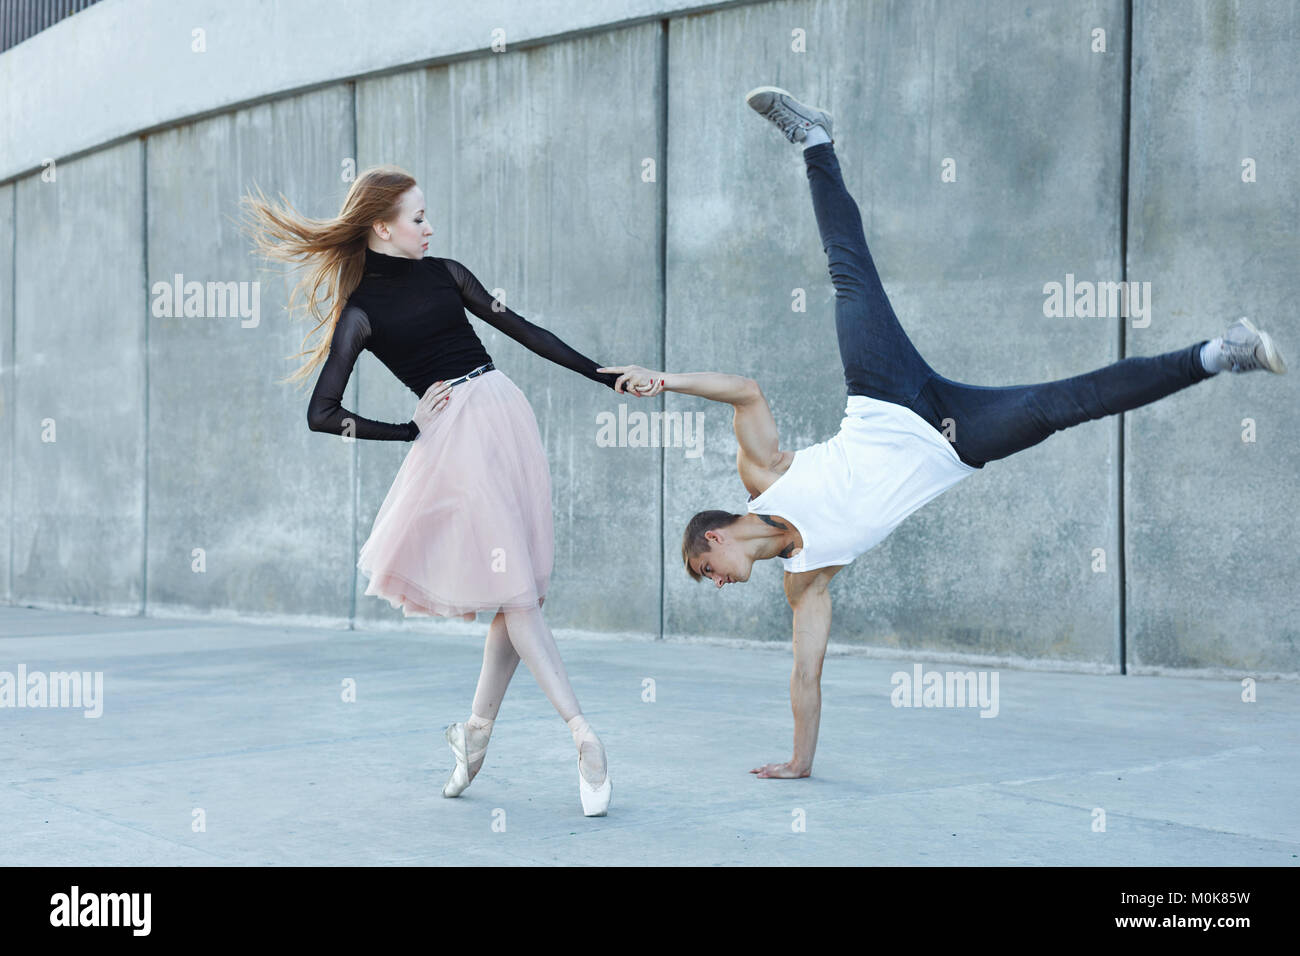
pixel 635 380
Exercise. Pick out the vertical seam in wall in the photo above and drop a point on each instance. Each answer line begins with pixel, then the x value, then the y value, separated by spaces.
pixel 1121 464
pixel 13 367
pixel 144 269
pixel 663 299
pixel 356 445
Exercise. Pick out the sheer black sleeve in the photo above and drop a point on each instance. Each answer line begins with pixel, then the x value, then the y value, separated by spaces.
pixel 325 412
pixel 532 337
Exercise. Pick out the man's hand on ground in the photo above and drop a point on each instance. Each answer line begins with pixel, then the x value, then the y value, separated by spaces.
pixel 783 771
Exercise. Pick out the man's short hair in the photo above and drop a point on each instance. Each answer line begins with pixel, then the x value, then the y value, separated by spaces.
pixel 695 544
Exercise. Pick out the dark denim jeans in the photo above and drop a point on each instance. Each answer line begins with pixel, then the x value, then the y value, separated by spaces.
pixel 988 423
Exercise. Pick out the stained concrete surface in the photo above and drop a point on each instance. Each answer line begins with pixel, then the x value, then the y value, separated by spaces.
pixel 247 726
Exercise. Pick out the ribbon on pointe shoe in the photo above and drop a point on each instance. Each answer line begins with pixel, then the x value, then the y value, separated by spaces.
pixel 595 798
pixel 458 738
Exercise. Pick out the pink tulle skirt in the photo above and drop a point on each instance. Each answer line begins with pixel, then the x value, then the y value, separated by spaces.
pixel 467 523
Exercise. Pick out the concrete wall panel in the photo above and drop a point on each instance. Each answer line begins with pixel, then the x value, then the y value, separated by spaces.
pixel 1211 519
pixel 6 384
pixel 78 385
pixel 233 468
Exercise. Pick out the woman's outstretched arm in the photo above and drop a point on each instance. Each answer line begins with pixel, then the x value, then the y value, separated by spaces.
pixel 532 337
pixel 325 411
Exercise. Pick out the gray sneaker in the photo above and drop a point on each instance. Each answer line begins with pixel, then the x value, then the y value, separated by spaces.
pixel 793 118
pixel 1248 349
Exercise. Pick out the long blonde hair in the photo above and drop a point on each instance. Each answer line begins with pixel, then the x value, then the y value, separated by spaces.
pixel 333 249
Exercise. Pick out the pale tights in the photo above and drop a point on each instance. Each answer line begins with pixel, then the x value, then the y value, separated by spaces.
pixel 524 633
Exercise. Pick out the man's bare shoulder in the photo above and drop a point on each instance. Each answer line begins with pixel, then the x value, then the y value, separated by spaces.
pixel 798 583
pixel 758 478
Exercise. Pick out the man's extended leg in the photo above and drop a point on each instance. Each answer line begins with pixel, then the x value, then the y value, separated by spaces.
pixel 879 359
pixel 992 423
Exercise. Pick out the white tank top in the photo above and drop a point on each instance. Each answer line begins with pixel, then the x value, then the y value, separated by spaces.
pixel 847 494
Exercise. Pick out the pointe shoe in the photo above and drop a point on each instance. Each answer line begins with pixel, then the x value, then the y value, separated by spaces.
pixel 458 738
pixel 1249 349
pixel 793 118
pixel 595 800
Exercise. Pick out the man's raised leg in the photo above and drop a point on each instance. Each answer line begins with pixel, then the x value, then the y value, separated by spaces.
pixel 879 359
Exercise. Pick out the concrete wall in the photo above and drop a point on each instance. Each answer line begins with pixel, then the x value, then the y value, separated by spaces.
pixel 80 435
pixel 1212 523
pixel 158 62
pixel 7 194
pixel 534 163
pixel 233 470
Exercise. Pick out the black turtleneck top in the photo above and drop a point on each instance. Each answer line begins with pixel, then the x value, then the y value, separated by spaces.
pixel 411 314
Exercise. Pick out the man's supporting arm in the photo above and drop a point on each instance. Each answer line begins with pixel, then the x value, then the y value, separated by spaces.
pixel 812 628
pixel 811 603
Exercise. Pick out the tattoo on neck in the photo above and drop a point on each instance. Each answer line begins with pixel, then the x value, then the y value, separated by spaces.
pixel 768 519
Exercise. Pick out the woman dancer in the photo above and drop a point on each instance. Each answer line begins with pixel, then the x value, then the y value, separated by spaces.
pixel 467 523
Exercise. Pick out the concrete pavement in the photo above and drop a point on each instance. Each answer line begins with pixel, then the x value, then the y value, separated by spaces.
pixel 245 730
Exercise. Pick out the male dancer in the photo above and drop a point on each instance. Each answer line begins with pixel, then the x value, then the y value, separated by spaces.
pixel 820 507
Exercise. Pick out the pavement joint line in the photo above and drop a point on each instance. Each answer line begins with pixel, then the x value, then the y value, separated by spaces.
pixel 1147 768
pixel 45 798
pixel 247 751
pixel 1123 815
